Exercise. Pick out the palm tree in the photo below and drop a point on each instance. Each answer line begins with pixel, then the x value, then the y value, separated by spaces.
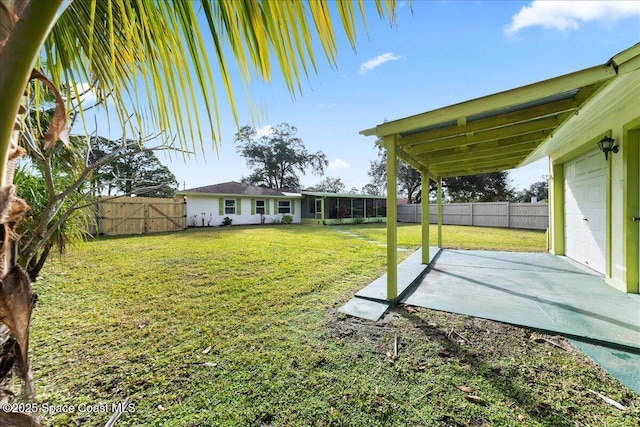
pixel 151 59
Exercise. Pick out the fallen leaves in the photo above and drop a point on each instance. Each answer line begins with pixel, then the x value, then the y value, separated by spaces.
pixel 465 389
pixel 556 341
pixel 409 309
pixel 476 399
pixel 472 397
pixel 460 339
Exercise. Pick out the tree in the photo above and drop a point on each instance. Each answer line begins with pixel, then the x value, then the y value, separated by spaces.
pixel 136 170
pixel 277 157
pixel 409 180
pixel 354 190
pixel 490 187
pixel 60 183
pixel 114 44
pixel 371 190
pixel 329 185
pixel 64 224
pixel 539 190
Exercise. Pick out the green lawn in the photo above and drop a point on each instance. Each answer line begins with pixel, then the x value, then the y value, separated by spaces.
pixel 459 237
pixel 239 326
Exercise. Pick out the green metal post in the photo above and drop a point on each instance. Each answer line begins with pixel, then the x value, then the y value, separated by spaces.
pixel 440 212
pixel 392 217
pixel 556 208
pixel 424 207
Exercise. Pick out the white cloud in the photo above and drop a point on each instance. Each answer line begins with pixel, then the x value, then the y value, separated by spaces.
pixel 338 163
pixel 264 131
pixel 328 105
pixel 87 95
pixel 569 15
pixel 377 61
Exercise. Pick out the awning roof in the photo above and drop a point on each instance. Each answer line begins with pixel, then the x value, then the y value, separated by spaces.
pixel 499 131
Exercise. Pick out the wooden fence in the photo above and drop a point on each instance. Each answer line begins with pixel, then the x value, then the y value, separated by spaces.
pixel 140 215
pixel 534 216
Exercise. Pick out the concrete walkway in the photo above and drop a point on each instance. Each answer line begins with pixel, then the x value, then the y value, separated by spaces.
pixel 543 292
pixel 371 302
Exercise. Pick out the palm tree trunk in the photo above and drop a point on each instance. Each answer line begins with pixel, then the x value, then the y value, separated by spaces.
pixel 21 43
pixel 23 28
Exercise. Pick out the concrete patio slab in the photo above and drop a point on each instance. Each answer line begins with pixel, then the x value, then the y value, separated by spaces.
pixel 364 308
pixel 540 291
pixel 371 302
pixel 622 365
pixel 410 271
pixel 535 290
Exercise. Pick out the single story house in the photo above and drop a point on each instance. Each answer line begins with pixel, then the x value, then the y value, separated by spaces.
pixel 248 204
pixel 242 203
pixel 588 125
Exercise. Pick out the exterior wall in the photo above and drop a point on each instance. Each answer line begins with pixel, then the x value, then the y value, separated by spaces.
pixel 208 208
pixel 609 113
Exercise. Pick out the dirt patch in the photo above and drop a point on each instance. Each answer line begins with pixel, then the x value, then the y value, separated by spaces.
pixel 536 378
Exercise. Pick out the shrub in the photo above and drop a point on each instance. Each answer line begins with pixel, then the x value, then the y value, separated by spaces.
pixel 287 219
pixel 358 220
pixel 226 221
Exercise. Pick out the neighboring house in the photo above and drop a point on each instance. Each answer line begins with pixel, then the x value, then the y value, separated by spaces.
pixel 332 208
pixel 594 200
pixel 242 203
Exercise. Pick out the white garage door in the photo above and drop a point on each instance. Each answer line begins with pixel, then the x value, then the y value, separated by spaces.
pixel 585 210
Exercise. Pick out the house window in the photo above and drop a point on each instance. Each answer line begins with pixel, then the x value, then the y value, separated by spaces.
pixel 229 207
pixel 284 206
pixel 260 207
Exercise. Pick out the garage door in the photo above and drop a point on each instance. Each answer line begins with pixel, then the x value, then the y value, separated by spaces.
pixel 585 210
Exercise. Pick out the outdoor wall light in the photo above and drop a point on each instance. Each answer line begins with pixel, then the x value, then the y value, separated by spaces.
pixel 606 145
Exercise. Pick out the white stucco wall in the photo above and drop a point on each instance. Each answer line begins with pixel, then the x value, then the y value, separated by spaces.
pixel 207 207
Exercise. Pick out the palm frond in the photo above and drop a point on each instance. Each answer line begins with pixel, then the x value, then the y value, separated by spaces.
pixel 151 56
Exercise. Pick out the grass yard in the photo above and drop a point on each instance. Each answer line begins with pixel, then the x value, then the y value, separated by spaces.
pixel 458 237
pixel 238 326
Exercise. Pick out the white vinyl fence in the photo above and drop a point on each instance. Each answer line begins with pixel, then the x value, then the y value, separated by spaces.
pixel 534 216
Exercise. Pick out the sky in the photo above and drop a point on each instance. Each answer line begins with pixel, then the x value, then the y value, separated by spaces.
pixel 439 53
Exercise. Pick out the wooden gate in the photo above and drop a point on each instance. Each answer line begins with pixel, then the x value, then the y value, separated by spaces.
pixel 140 215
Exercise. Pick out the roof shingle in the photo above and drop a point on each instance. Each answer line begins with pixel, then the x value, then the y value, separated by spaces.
pixel 233 187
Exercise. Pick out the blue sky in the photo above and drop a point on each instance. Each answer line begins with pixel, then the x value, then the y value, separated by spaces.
pixel 439 53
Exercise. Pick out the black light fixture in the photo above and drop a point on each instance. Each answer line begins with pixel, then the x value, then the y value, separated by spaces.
pixel 607 144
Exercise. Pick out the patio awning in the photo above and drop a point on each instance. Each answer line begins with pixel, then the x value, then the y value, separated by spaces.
pixel 499 131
